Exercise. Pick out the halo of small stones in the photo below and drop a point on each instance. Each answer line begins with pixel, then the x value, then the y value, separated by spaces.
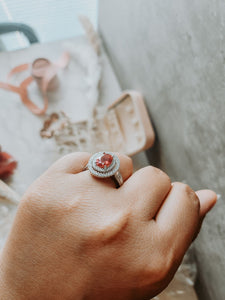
pixel 106 172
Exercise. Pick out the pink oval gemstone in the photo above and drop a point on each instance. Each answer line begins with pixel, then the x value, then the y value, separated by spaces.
pixel 104 161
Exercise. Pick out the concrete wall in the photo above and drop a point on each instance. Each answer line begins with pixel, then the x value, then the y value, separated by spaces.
pixel 174 52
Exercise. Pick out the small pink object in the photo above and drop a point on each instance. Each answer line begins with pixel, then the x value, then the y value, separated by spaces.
pixel 42 67
pixel 44 73
pixel 7 165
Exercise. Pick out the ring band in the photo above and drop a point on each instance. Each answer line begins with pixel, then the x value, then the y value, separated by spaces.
pixel 118 179
pixel 104 165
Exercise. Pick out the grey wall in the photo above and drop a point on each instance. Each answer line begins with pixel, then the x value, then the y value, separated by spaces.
pixel 174 52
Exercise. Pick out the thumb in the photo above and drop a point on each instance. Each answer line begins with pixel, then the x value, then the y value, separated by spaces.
pixel 207 199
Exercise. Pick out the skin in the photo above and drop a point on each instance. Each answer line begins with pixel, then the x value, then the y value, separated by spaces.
pixel 78 237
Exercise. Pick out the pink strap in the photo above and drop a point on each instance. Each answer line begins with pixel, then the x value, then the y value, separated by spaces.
pixel 17 69
pixel 47 74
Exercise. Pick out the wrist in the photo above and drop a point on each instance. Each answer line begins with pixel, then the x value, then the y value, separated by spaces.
pixel 14 284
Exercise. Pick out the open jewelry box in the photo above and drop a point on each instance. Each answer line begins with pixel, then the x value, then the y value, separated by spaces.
pixel 123 127
pixel 128 124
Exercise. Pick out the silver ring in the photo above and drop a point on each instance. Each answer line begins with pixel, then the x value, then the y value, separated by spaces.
pixel 105 164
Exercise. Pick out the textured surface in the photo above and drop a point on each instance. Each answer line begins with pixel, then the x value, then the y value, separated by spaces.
pixel 174 52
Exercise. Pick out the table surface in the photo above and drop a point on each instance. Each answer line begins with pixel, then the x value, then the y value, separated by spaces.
pixel 19 128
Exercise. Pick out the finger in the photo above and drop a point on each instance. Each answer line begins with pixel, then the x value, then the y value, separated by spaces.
pixel 178 217
pixel 126 170
pixel 147 189
pixel 71 163
pixel 126 165
pixel 207 200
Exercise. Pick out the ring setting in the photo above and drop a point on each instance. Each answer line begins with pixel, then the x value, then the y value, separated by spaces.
pixel 105 164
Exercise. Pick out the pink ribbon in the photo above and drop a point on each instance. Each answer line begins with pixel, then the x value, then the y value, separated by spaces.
pixel 43 72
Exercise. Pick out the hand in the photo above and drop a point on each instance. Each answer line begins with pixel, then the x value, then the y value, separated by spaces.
pixel 78 237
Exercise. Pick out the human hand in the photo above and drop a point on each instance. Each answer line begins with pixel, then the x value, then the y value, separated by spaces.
pixel 77 237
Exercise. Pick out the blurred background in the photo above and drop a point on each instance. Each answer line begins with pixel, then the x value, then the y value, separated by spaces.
pixel 51 19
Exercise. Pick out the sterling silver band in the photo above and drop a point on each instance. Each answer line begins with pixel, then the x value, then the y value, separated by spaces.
pixel 117 177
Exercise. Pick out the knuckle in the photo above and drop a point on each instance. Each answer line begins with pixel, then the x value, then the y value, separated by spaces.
pixel 32 202
pixel 159 173
pixel 110 230
pixel 32 195
pixel 129 161
pixel 126 158
pixel 74 155
pixel 158 270
pixel 163 268
pixel 66 160
pixel 183 187
pixel 38 197
pixel 187 190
